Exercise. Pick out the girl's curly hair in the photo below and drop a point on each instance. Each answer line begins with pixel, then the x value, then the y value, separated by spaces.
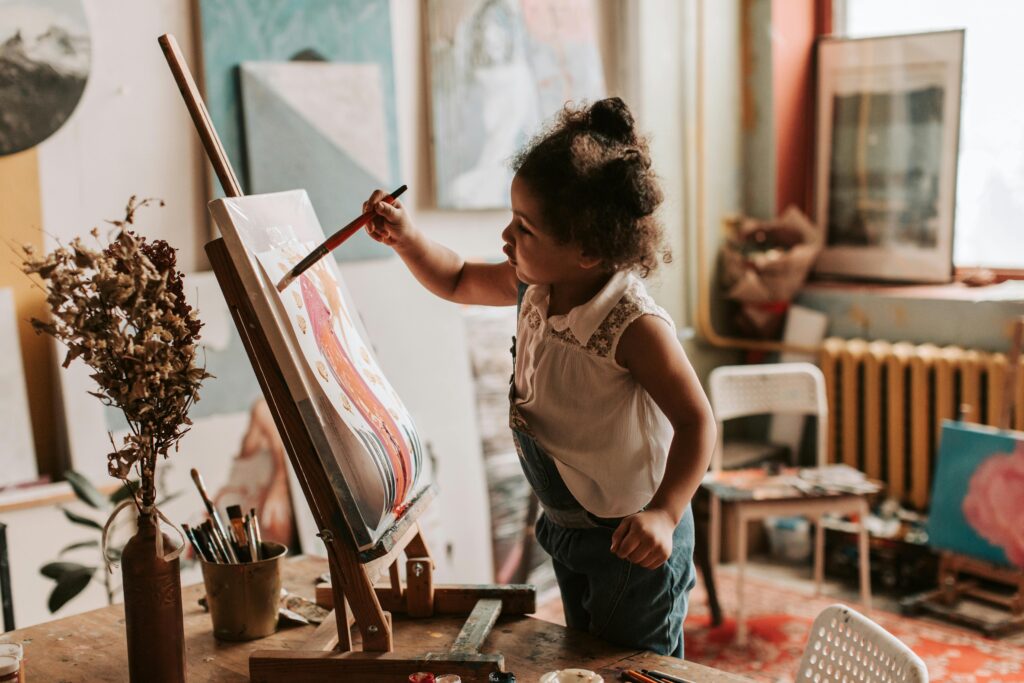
pixel 592 175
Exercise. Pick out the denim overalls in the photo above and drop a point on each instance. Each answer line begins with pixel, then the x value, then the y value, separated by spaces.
pixel 612 598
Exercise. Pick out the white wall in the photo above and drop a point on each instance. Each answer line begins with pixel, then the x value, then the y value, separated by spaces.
pixel 130 134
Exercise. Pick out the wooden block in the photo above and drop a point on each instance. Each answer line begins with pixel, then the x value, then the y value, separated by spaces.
pixel 516 599
pixel 272 666
pixel 419 590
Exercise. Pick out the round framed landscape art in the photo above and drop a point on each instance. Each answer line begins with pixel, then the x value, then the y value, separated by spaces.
pixel 888 113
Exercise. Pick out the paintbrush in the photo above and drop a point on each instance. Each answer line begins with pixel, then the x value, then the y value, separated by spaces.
pixel 333 242
pixel 214 515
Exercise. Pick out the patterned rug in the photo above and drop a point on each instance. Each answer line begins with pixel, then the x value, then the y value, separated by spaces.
pixel 780 618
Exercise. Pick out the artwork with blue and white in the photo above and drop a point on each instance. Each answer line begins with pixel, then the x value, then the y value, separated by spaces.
pixel 316 108
pixel 320 126
pixel 499 70
pixel 18 455
pixel 44 65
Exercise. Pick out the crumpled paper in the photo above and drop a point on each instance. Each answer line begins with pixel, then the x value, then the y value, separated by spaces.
pixel 764 264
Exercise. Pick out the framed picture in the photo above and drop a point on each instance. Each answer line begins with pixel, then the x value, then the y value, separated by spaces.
pixel 888 113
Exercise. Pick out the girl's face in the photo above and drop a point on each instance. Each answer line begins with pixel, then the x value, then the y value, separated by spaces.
pixel 539 258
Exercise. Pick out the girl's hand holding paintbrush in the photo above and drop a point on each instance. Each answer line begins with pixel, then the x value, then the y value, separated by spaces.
pixel 390 223
pixel 437 267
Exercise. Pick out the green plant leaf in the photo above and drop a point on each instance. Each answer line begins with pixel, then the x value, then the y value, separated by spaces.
pixel 80 544
pixel 68 586
pixel 84 521
pixel 124 492
pixel 57 570
pixel 84 489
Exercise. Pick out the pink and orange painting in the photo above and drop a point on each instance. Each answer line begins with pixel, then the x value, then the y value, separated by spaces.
pixel 366 439
pixel 976 494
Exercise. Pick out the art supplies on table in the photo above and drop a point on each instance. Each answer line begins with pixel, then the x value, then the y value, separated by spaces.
pixel 762 484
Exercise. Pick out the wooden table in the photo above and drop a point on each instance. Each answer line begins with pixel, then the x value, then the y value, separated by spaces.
pixel 91 646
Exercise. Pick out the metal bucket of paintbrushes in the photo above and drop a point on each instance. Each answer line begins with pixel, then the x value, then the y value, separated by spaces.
pixel 244 598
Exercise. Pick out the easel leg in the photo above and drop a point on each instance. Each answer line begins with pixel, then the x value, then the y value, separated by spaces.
pixel 865 556
pixel 358 590
pixel 741 561
pixel 819 555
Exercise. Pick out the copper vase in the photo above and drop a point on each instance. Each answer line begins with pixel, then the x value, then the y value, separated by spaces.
pixel 152 607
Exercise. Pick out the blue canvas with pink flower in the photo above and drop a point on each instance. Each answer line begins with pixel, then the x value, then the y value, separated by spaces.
pixel 977 492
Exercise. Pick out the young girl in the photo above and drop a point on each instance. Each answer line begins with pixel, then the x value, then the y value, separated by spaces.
pixel 612 428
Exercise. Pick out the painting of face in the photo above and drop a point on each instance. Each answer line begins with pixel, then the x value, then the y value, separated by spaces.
pixel 371 451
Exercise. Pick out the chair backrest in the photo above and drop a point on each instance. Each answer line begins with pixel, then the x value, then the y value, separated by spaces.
pixel 792 388
pixel 847 646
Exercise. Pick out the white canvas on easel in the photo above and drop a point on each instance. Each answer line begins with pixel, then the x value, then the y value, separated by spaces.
pixel 17 453
pixel 363 437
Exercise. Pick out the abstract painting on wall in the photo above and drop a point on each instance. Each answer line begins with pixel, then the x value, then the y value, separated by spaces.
pixel 322 126
pixel 499 69
pixel 44 65
pixel 18 455
pixel 345 42
pixel 366 441
pixel 976 494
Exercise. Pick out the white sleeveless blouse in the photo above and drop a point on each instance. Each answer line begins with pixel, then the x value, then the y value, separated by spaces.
pixel 607 437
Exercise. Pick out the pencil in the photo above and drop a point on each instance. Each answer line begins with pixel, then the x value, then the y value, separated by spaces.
pixel 637 677
pixel 664 676
pixel 333 242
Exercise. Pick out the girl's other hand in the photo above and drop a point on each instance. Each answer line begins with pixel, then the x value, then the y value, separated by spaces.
pixel 645 538
pixel 390 224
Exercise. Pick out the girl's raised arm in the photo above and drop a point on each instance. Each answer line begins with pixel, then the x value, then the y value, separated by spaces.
pixel 437 267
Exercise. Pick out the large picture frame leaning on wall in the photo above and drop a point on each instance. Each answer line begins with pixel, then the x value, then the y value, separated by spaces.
pixel 888 127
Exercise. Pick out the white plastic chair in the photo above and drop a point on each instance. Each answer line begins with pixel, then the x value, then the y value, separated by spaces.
pixel 847 647
pixel 778 388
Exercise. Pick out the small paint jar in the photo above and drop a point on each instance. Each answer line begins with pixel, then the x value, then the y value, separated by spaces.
pixel 422 677
pixel 10 669
pixel 449 678
pixel 16 650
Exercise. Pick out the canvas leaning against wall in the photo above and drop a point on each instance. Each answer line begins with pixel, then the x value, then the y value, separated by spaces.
pixel 366 441
pixel 316 109
pixel 888 114
pixel 18 455
pixel 498 70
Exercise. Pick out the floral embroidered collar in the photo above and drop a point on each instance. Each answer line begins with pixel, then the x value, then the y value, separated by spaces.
pixel 582 320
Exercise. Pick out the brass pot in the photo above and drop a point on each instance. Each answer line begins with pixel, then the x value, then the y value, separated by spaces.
pixel 244 598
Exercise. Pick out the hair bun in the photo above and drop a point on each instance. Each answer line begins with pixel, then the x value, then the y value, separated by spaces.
pixel 611 118
pixel 626 179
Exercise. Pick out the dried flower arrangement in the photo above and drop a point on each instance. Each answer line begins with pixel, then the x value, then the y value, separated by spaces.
pixel 121 308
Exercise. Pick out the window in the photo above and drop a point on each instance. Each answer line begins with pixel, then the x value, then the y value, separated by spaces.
pixel 989 228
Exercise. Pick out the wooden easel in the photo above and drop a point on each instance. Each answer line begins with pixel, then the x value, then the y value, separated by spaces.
pixel 328 655
pixel 959 575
